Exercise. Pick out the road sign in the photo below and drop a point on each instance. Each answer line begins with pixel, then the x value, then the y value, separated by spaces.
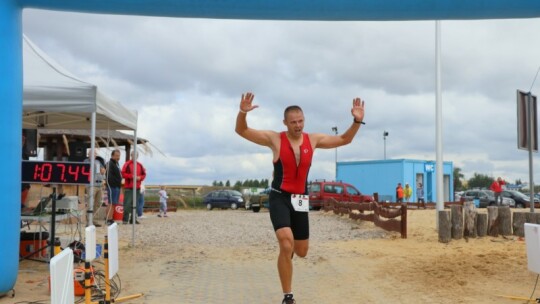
pixel 526 102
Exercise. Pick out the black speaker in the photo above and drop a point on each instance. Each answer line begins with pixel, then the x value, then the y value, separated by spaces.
pixel 30 145
pixel 77 151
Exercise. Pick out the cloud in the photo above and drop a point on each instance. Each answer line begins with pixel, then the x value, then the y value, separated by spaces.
pixel 185 77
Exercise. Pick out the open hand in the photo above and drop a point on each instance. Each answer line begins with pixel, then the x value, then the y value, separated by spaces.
pixel 357 110
pixel 246 102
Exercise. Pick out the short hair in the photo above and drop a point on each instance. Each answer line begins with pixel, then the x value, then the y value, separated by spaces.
pixel 290 109
pixel 115 151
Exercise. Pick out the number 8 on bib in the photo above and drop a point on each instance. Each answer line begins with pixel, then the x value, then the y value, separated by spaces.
pixel 300 202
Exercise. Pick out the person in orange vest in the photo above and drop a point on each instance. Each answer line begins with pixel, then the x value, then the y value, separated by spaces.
pixel 399 193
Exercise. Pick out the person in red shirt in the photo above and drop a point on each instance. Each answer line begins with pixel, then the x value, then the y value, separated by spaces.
pixel 496 187
pixel 292 154
pixel 130 178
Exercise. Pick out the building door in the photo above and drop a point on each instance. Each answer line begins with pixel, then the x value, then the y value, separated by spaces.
pixel 429 187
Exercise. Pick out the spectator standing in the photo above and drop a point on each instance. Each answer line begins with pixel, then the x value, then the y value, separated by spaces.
pixel 407 192
pixel 163 202
pixel 130 180
pixel 114 183
pixel 399 193
pixel 420 195
pixel 497 189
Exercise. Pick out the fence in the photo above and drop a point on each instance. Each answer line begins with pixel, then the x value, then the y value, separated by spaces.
pixel 414 205
pixel 381 215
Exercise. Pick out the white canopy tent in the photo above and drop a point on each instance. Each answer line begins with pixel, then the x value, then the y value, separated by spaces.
pixel 53 98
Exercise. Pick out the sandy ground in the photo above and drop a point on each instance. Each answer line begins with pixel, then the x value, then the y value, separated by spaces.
pixel 225 256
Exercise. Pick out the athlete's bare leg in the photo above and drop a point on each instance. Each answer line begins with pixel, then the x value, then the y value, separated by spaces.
pixel 287 245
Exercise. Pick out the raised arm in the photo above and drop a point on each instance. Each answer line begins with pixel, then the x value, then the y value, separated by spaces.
pixel 263 138
pixel 326 141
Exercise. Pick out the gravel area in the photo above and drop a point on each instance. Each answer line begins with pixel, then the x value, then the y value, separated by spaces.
pixel 234 228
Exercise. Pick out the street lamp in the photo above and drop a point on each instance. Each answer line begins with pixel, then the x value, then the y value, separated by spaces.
pixel 385 133
pixel 334 129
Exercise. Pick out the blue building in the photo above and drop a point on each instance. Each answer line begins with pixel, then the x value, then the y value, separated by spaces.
pixel 382 176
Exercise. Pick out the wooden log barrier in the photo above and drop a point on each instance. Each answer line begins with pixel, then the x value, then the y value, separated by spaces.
pixel 505 220
pixel 457 221
pixel 493 221
pixel 481 224
pixel 445 226
pixel 533 218
pixel 469 214
pixel 518 220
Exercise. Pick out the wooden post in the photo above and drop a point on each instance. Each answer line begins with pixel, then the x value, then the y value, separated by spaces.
pixel 403 221
pixel 533 218
pixel 493 221
pixel 518 219
pixel 457 221
pixel 469 212
pixel 445 226
pixel 481 224
pixel 505 220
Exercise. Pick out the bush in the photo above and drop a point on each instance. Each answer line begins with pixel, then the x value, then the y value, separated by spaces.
pixel 193 202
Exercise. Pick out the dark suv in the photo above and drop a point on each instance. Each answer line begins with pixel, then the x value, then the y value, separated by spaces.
pixel 321 190
pixel 224 199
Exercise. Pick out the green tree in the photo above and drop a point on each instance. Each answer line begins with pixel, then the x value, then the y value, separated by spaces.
pixel 228 183
pixel 518 181
pixel 480 181
pixel 458 185
pixel 237 186
pixel 215 183
pixel 220 184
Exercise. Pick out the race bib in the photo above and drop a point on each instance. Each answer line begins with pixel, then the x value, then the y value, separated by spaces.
pixel 300 202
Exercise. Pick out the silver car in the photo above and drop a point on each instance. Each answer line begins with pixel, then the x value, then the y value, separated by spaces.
pixel 487 198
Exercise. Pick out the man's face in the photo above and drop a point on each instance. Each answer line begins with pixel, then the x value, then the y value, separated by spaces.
pixel 116 156
pixel 294 120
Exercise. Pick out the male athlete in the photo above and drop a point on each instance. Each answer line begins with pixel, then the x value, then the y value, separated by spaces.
pixel 292 150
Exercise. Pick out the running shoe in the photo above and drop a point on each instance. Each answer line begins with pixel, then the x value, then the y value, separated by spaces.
pixel 288 299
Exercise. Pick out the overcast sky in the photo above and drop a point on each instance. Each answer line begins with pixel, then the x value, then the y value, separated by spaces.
pixel 185 78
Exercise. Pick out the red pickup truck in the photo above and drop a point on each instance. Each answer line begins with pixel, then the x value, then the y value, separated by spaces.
pixel 321 190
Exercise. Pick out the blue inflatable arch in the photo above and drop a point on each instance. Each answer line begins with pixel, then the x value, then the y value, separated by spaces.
pixel 11 59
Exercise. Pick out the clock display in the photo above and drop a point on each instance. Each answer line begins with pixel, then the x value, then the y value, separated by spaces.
pixel 53 172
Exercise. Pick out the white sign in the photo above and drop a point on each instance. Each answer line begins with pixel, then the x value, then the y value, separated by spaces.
pixel 300 202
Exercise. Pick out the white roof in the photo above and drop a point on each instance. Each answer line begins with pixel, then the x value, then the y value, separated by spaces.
pixel 53 98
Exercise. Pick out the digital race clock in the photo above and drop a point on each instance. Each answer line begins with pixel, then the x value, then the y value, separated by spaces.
pixel 53 172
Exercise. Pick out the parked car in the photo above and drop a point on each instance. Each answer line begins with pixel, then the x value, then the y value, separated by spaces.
pixel 321 190
pixel 486 197
pixel 458 195
pixel 223 199
pixel 522 200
